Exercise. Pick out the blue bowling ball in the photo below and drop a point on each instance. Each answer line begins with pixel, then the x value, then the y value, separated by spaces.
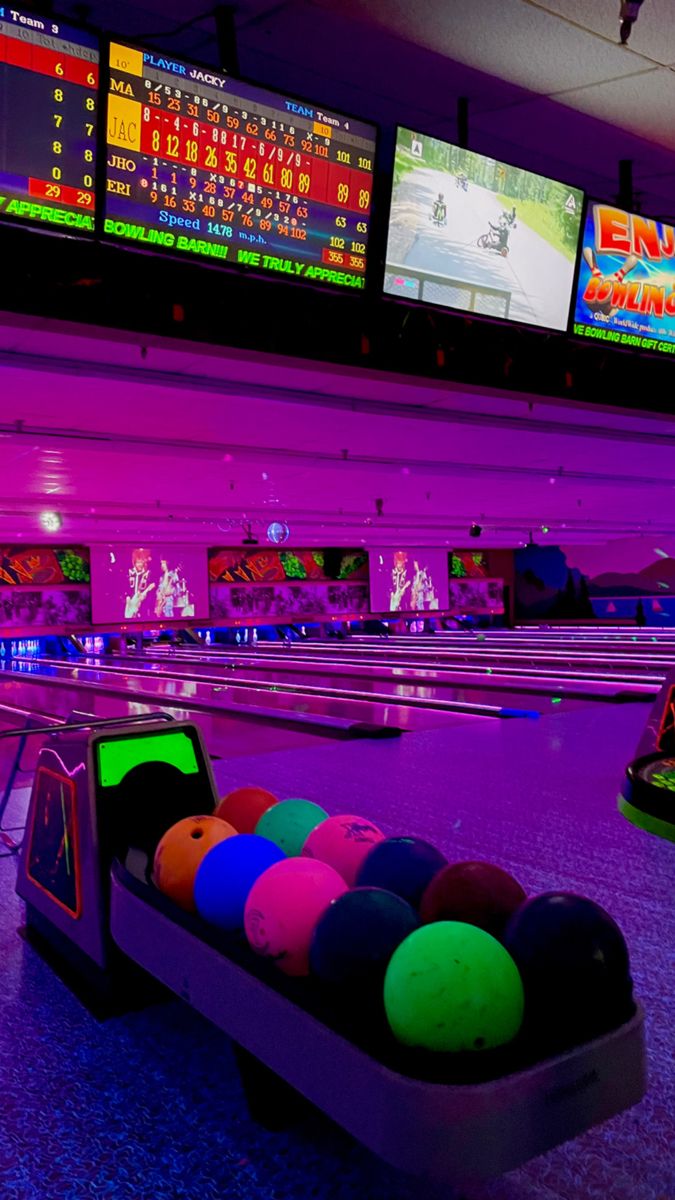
pixel 357 935
pixel 575 968
pixel 403 865
pixel 223 881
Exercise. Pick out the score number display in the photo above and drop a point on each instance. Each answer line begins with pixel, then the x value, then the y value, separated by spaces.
pixel 201 164
pixel 48 102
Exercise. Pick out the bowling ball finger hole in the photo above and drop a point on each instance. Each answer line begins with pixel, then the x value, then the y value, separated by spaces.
pixel 479 1042
pixel 196 834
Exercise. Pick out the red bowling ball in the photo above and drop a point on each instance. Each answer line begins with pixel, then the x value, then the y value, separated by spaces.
pixel 243 807
pixel 478 893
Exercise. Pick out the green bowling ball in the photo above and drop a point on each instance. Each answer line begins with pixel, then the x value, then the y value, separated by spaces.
pixel 453 987
pixel 289 824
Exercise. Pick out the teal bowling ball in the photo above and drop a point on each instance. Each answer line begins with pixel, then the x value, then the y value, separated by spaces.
pixel 289 824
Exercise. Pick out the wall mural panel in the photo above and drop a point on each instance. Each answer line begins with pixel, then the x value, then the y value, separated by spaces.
pixel 623 580
pixel 266 565
pixel 21 565
pixel 44 609
pixel 478 597
pixel 284 602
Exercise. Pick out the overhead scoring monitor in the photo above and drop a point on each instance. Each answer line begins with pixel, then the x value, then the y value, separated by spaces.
pixel 625 291
pixel 48 101
pixel 201 164
pixel 475 234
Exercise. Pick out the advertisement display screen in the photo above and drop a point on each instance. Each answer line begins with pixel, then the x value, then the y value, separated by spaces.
pixel 471 233
pixel 205 165
pixel 408 580
pixel 148 583
pixel 626 288
pixel 48 102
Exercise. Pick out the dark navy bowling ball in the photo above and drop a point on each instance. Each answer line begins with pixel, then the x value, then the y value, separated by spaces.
pixel 357 935
pixel 403 865
pixel 478 893
pixel 574 964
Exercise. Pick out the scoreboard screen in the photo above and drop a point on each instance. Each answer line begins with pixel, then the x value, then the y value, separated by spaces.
pixel 48 101
pixel 205 165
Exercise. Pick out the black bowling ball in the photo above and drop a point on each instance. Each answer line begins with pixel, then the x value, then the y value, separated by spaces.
pixel 574 964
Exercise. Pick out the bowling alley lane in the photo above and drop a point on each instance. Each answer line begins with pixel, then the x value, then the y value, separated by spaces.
pixel 436 677
pixel 400 706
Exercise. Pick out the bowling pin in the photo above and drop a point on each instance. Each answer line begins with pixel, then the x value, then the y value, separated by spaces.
pixel 631 261
pixel 588 254
pixel 238 638
pixel 254 639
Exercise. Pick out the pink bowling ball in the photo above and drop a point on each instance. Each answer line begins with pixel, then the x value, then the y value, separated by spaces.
pixel 283 907
pixel 343 842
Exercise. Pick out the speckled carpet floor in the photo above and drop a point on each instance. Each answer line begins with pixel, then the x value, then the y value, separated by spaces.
pixel 148 1106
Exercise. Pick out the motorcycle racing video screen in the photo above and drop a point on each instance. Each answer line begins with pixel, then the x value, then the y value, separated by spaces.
pixel 411 581
pixel 471 233
pixel 151 583
pixel 625 290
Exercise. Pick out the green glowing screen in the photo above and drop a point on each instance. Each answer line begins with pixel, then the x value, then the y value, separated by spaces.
pixel 117 756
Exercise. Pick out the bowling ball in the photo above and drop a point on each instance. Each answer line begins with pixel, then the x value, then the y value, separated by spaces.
pixel 355 939
pixel 289 824
pixel 283 907
pixel 227 874
pixel 150 798
pixel 180 853
pixel 575 968
pixel 244 807
pixel 403 865
pixel 453 987
pixel 478 893
pixel 343 842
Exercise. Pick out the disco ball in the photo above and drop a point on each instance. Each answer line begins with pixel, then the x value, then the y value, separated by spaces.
pixel 278 532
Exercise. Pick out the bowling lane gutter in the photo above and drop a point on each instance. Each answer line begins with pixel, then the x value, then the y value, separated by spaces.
pixel 217 685
pixel 599 688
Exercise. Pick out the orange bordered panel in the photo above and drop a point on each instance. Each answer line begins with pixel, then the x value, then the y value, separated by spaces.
pixel 53 857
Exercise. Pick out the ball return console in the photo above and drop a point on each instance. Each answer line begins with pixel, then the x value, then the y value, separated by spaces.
pixel 647 797
pixel 101 800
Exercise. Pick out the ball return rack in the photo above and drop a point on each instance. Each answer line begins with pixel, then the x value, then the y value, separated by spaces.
pixel 101 798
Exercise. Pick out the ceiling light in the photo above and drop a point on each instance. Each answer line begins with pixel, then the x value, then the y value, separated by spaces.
pixel 51 521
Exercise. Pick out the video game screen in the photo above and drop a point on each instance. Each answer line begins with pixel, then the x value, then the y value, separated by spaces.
pixel 205 165
pixel 472 233
pixel 625 290
pixel 148 583
pixel 408 580
pixel 48 102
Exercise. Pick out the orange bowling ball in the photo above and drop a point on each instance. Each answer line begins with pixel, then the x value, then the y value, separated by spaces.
pixel 180 853
pixel 244 807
